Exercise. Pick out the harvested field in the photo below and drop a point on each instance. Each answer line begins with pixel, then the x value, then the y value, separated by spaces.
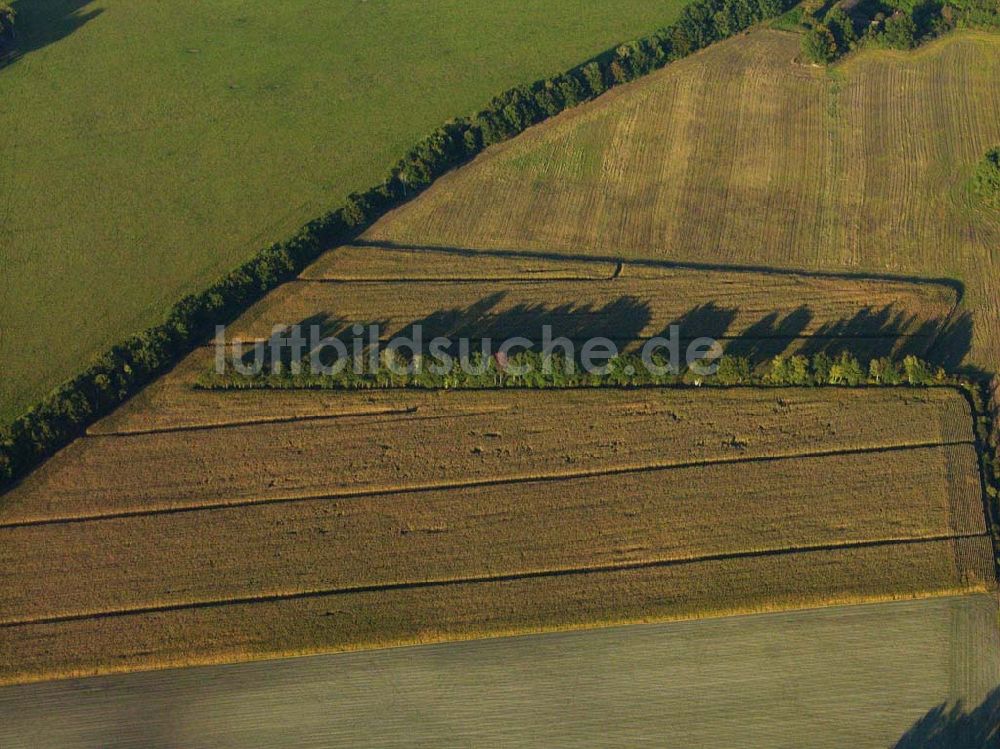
pixel 859 676
pixel 767 312
pixel 391 539
pixel 739 156
pixel 195 527
pixel 477 513
pixel 320 622
pixel 365 263
pixel 464 438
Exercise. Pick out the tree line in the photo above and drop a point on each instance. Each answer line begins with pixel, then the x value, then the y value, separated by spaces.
pixel 898 25
pixel 119 372
pixel 536 369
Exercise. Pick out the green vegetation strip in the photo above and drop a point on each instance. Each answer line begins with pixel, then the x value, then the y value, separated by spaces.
pixel 532 369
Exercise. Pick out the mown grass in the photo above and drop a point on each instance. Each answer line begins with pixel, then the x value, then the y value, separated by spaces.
pixel 148 147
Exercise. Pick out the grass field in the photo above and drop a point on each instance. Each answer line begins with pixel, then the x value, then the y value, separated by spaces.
pixel 739 156
pixel 859 676
pixel 151 146
pixel 466 514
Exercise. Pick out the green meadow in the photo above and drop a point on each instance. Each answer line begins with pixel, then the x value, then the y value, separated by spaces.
pixel 149 146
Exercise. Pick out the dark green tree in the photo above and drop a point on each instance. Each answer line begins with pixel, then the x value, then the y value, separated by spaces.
pixel 819 45
pixel 900 31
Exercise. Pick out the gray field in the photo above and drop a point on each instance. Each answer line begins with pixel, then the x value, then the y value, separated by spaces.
pixel 875 675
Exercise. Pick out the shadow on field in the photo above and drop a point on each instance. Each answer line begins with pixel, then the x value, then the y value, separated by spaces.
pixel 621 320
pixel 869 333
pixel 40 23
pixel 954 728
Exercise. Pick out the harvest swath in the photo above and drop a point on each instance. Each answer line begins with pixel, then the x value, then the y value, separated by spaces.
pixel 738 155
pixel 552 509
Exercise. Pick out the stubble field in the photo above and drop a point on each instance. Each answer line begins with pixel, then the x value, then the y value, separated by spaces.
pixel 740 156
pixel 479 513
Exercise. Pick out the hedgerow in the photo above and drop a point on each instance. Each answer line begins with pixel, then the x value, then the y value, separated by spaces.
pixel 534 369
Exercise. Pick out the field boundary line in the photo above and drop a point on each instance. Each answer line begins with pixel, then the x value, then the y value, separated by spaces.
pixel 958 287
pixel 616 272
pixel 482 579
pixel 484 482
pixel 404 412
pixel 249 422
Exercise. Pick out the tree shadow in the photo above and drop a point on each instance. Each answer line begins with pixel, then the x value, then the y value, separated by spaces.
pixel 867 334
pixel 621 320
pixel 703 321
pixel 770 336
pixel 953 343
pixel 953 727
pixel 40 23
pixel 886 332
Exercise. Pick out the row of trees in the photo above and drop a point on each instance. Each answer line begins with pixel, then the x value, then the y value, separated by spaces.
pixel 532 369
pixel 898 24
pixel 67 411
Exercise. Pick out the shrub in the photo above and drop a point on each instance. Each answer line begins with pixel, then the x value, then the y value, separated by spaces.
pixel 819 45
pixel 986 180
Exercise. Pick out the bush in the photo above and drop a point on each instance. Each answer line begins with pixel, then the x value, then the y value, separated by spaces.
pixel 819 45
pixel 986 180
